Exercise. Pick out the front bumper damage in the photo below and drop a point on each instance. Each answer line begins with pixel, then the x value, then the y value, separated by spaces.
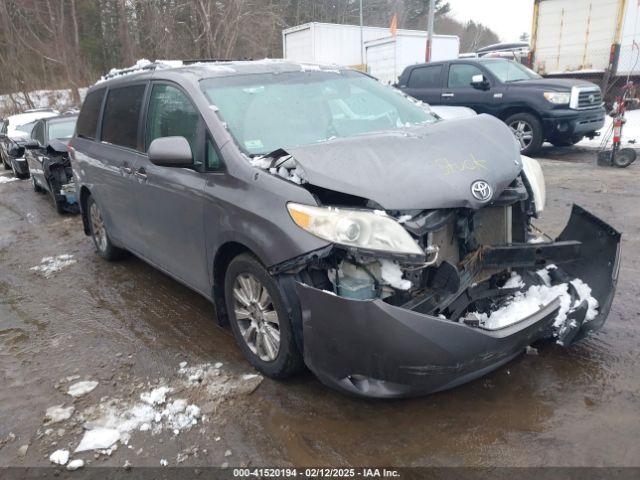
pixel 374 349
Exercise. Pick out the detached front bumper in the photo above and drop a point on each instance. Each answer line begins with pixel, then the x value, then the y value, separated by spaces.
pixel 370 348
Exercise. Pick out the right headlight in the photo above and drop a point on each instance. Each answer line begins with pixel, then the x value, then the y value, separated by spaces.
pixel 558 98
pixel 364 229
pixel 533 171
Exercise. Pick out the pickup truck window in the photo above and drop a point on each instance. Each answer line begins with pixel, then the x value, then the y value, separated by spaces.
pixel 510 71
pixel 460 75
pixel 425 77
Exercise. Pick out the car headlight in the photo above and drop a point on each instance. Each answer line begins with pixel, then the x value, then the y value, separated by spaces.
pixel 558 98
pixel 355 228
pixel 533 171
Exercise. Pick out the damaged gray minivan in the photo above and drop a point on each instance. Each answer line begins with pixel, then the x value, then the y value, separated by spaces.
pixel 336 223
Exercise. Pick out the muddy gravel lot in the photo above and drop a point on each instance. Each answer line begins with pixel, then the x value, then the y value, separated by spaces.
pixel 175 387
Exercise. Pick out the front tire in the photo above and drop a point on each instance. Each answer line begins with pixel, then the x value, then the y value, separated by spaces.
pixel 528 131
pixel 105 248
pixel 259 320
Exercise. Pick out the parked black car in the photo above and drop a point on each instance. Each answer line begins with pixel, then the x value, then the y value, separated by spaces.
pixel 562 111
pixel 337 224
pixel 48 160
pixel 15 131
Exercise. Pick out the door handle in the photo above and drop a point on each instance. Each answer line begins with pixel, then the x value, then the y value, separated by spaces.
pixel 127 170
pixel 141 173
pixel 448 95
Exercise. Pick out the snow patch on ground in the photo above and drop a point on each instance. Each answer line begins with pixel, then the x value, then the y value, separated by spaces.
pixel 82 388
pixel 391 273
pixel 75 464
pixel 57 413
pixel 50 265
pixel 7 179
pixel 59 457
pixel 157 396
pixel 98 439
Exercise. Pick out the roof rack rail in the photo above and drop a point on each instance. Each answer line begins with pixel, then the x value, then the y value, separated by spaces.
pixel 135 68
pixel 191 61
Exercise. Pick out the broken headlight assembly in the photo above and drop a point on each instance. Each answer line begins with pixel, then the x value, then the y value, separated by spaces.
pixel 535 178
pixel 362 229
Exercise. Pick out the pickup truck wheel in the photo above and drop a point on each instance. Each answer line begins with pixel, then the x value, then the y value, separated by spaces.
pixel 527 130
pixel 259 319
pixel 106 249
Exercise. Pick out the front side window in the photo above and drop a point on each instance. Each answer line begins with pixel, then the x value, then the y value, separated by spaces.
pixel 88 119
pixel 508 71
pixel 38 133
pixel 171 114
pixel 121 116
pixel 265 112
pixel 425 77
pixel 26 128
pixel 460 75
pixel 62 129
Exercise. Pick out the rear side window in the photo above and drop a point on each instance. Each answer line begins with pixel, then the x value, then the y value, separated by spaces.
pixel 460 75
pixel 425 77
pixel 88 119
pixel 121 116
pixel 171 114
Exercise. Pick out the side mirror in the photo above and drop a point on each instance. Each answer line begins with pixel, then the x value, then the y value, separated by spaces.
pixel 171 152
pixel 16 151
pixel 479 82
pixel 31 144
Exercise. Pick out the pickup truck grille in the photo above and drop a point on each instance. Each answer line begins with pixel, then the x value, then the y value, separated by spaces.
pixel 582 98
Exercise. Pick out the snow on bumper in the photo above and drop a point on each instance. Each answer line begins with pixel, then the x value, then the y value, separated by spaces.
pixel 371 348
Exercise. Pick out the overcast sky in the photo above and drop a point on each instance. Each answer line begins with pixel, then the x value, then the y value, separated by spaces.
pixel 508 18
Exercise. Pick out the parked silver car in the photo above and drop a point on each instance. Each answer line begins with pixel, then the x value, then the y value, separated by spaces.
pixel 337 223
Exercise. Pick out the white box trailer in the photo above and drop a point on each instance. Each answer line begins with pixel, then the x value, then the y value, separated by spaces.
pixel 340 44
pixel 387 57
pixel 586 37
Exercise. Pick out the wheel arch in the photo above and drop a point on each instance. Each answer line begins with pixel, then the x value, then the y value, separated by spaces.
pixel 507 112
pixel 85 193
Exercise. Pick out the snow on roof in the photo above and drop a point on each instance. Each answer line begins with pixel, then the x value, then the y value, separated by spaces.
pixel 23 118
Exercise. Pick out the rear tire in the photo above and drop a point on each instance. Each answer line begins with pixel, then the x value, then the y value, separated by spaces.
pixel 527 130
pixel 259 319
pixel 104 246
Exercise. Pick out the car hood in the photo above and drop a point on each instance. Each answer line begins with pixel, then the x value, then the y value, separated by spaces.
pixel 423 167
pixel 559 84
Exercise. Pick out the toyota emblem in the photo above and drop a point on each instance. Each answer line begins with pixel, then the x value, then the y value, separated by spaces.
pixel 592 98
pixel 481 190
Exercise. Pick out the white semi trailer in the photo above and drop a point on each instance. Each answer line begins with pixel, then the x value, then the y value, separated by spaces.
pixel 595 39
pixel 383 55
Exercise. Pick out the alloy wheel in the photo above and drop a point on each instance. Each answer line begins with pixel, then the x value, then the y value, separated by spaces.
pixel 523 133
pixel 256 317
pixel 97 227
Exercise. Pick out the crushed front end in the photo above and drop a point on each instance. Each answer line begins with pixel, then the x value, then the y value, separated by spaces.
pixel 486 285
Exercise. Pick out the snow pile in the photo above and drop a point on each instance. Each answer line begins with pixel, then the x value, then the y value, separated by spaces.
pixel 284 167
pixel 75 464
pixel 515 281
pixel 98 439
pixel 391 273
pixel 82 388
pixel 524 304
pixel 50 265
pixel 7 179
pixel 57 413
pixel 157 396
pixel 59 457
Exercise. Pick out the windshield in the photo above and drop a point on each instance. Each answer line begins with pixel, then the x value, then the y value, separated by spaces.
pixel 265 112
pixel 27 127
pixel 508 71
pixel 62 129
